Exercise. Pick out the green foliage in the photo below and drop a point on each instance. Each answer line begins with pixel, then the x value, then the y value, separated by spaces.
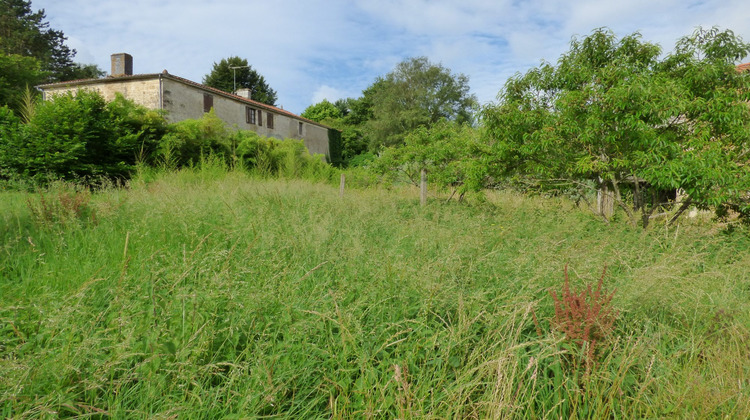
pixel 27 104
pixel 363 160
pixel 16 73
pixel 79 136
pixel 80 71
pixel 10 136
pixel 272 157
pixel 322 112
pixel 31 53
pixel 69 137
pixel 138 130
pixel 348 117
pixel 335 146
pixel 616 113
pixel 25 33
pixel 223 77
pixel 451 153
pixel 416 93
pixel 189 140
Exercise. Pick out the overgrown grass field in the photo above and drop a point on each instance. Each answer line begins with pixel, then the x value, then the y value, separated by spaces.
pixel 200 294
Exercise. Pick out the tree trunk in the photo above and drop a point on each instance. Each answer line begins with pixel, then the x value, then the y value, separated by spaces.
pixel 423 188
pixel 605 201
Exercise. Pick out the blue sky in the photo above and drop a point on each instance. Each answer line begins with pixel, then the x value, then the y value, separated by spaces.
pixel 316 49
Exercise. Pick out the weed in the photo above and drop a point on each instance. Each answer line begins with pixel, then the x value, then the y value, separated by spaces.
pixel 61 208
pixel 585 317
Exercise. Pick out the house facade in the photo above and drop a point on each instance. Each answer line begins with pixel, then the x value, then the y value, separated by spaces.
pixel 183 99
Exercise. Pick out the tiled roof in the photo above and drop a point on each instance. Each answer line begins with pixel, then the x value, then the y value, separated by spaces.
pixel 185 81
pixel 743 67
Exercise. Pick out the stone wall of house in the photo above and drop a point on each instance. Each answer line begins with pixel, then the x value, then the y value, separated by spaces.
pixel 143 92
pixel 183 101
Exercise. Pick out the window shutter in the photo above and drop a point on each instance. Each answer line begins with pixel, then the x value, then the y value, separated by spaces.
pixel 208 102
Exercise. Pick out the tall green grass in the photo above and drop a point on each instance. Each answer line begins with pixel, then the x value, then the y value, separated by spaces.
pixel 209 293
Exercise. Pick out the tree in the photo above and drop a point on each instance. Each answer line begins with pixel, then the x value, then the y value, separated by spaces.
pixel 16 73
pixel 223 77
pixel 25 33
pixel 617 116
pixel 416 93
pixel 32 53
pixel 451 153
pixel 79 71
pixel 322 111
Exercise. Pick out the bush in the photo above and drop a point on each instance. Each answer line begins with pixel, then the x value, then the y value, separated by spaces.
pixel 78 137
pixel 9 132
pixel 188 140
pixel 272 157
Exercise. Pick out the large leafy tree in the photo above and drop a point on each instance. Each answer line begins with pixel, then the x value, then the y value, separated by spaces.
pixel 416 93
pixel 24 32
pixel 617 115
pixel 223 77
pixel 31 52
pixel 16 73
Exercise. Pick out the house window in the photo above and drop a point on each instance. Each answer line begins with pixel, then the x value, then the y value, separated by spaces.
pixel 269 120
pixel 250 115
pixel 208 102
pixel 260 119
pixel 300 129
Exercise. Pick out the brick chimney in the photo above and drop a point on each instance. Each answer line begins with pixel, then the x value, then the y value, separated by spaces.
pixel 245 93
pixel 122 65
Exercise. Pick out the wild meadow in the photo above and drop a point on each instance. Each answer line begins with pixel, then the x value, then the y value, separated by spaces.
pixel 211 293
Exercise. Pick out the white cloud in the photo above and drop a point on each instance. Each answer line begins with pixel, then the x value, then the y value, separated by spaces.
pixel 331 94
pixel 312 49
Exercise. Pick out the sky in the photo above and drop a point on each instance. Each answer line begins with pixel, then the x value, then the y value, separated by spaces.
pixel 310 50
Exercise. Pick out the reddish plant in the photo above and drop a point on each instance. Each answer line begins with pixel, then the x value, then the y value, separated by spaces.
pixel 585 317
pixel 64 208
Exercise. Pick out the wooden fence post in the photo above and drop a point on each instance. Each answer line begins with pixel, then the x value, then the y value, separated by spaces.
pixel 341 185
pixel 423 188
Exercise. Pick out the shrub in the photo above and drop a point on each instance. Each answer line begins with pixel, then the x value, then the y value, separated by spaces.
pixel 9 132
pixel 188 140
pixel 77 137
pixel 272 157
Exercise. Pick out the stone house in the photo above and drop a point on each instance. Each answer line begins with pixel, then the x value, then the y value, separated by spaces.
pixel 183 99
